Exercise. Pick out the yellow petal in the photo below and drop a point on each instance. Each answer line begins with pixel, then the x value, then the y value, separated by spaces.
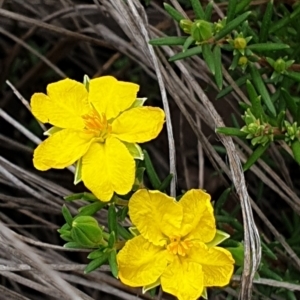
pixel 61 149
pixel 107 168
pixel 217 263
pixel 63 107
pixel 183 279
pixel 156 215
pixel 140 262
pixel 198 218
pixel 139 124
pixel 110 96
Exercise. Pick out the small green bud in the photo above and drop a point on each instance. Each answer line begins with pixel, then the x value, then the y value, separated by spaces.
pixel 202 30
pixel 243 61
pixel 239 43
pixel 186 25
pixel 86 232
pixel 279 65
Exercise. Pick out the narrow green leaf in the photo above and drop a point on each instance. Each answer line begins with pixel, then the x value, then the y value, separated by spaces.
pixel 222 199
pixel 261 88
pixel 95 254
pixel 231 131
pixel 239 82
pixel 168 41
pixel 267 251
pixel 283 22
pixel 166 182
pixel 256 107
pixel 208 57
pixel 231 10
pixel 265 25
pixel 251 90
pixel 91 209
pixel 111 240
pixel 256 154
pixel 74 245
pixel 208 10
pixel 292 75
pixel 77 176
pixel 188 53
pixel 198 9
pixel 290 102
pixel 218 238
pixel 189 41
pixel 218 66
pixel 268 273
pixel 267 47
pixel 96 263
pixel 242 5
pixel 66 237
pixel 232 25
pixel 124 233
pixel 296 151
pixel 67 215
pixel 153 177
pixel 176 15
pixel 112 220
pixel 112 260
pixel 86 82
pixel 81 196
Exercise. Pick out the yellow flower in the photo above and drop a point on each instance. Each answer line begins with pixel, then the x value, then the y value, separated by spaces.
pixel 93 125
pixel 172 246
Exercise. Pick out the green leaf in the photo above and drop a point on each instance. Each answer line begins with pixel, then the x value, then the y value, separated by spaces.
pixel 124 233
pixel 208 57
pixel 189 41
pixel 176 15
pixel 222 199
pixel 91 209
pixel 231 131
pixel 290 102
pixel 256 107
pixel 77 176
pixel 238 254
pixel 218 66
pixel 261 88
pixel 52 130
pixel 135 150
pixel 112 240
pixel 267 251
pixel 188 53
pixel 265 25
pixel 151 286
pixel 95 254
pixel 198 9
pixel 112 220
pixel 153 177
pixel 112 260
pixel 166 183
pixel 232 25
pixel 296 151
pixel 81 196
pixel 292 75
pixel 74 245
pixel 231 10
pixel 66 237
pixel 267 47
pixel 218 239
pixel 86 82
pixel 208 10
pixel 138 102
pixel 239 82
pixel 67 215
pixel 168 41
pixel 242 5
pixel 96 263
pixel 268 273
pixel 256 154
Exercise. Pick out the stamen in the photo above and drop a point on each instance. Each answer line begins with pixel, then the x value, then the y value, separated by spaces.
pixel 177 246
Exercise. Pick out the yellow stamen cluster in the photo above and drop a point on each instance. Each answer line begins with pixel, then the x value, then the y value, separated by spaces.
pixel 97 123
pixel 177 246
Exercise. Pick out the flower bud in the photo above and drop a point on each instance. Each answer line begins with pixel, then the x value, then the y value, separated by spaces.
pixel 86 231
pixel 202 30
pixel 239 43
pixel 279 65
pixel 243 60
pixel 186 25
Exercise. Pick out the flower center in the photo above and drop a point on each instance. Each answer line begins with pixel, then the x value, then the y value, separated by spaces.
pixel 97 124
pixel 178 246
